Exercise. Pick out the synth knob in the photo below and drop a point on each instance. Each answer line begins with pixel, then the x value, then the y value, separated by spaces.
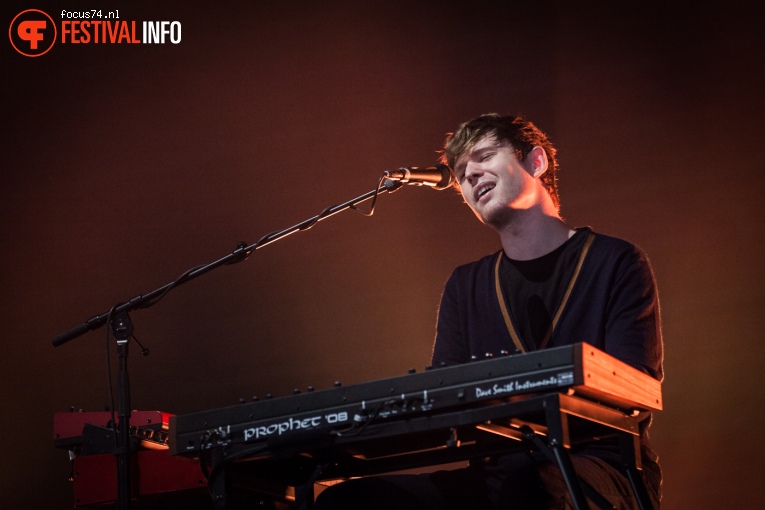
pixel 429 367
pixel 504 352
pixel 241 401
pixel 269 396
pixel 296 391
pixel 338 384
pixel 412 371
pixel 473 357
pixel 255 398
pixel 310 388
pixel 452 441
pixel 488 355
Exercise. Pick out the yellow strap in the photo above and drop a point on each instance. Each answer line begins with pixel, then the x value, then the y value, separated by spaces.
pixel 558 313
pixel 503 307
pixel 579 264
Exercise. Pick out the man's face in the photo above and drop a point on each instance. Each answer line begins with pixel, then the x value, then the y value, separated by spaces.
pixel 494 182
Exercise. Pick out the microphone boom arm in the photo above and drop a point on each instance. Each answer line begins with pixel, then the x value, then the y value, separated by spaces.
pixel 241 253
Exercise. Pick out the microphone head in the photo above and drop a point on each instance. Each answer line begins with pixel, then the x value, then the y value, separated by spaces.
pixel 437 177
pixel 447 177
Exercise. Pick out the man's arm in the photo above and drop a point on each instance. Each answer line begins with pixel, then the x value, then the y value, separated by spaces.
pixel 633 325
pixel 449 347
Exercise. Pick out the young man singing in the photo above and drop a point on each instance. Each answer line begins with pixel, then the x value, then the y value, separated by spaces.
pixel 550 285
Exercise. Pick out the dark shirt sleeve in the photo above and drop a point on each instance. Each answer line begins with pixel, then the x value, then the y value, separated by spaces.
pixel 449 347
pixel 633 328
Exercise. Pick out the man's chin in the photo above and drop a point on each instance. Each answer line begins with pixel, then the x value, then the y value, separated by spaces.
pixel 495 218
pixel 490 220
pixel 481 216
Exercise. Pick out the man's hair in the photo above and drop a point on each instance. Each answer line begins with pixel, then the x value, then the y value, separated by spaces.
pixel 521 134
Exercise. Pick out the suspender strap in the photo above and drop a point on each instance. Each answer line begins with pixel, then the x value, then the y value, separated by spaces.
pixel 503 304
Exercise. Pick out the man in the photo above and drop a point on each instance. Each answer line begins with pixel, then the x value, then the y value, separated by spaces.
pixel 550 285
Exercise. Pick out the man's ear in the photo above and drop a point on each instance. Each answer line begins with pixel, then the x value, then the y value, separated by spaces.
pixel 536 161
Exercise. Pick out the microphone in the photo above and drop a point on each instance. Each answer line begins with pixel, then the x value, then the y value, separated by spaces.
pixel 437 177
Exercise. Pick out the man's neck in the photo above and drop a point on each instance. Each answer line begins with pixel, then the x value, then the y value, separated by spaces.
pixel 533 234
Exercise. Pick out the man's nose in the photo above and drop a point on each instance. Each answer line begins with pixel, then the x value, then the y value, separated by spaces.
pixel 473 172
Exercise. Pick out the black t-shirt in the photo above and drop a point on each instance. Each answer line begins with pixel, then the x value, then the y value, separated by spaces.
pixel 534 289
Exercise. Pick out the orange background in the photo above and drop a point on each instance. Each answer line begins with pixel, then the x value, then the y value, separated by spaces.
pixel 125 165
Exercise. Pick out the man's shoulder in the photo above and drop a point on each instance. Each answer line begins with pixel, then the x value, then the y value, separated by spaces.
pixel 614 245
pixel 489 259
pixel 477 269
pixel 615 251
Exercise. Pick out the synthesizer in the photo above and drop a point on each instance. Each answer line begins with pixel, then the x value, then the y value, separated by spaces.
pixel 416 402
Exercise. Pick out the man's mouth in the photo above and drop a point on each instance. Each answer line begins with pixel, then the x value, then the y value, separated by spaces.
pixel 482 190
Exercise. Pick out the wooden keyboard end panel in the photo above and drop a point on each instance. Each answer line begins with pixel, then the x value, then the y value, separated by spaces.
pixel 614 382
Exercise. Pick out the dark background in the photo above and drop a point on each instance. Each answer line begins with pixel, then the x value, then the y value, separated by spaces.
pixel 125 165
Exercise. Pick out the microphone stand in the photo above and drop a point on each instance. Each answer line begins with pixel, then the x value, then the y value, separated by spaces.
pixel 123 328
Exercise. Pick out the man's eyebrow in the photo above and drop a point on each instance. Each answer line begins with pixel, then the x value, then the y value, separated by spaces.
pixel 484 149
pixel 476 152
pixel 473 152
